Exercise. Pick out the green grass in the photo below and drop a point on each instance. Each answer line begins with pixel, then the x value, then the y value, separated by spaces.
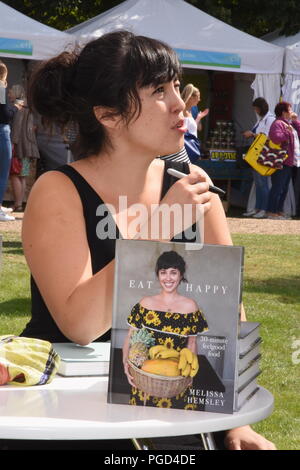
pixel 14 286
pixel 271 296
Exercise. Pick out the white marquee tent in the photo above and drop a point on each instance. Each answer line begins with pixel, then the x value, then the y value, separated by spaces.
pixel 291 67
pixel 200 40
pixel 24 38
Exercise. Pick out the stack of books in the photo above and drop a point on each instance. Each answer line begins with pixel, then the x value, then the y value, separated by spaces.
pixel 90 360
pixel 249 362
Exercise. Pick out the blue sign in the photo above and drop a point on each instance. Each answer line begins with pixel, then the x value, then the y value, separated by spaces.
pixel 209 58
pixel 15 46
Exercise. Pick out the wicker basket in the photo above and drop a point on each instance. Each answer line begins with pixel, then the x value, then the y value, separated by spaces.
pixel 158 385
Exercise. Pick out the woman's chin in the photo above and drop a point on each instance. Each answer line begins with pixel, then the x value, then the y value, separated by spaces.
pixel 172 148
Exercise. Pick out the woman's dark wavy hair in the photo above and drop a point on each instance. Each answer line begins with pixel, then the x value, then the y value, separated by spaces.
pixel 107 72
pixel 262 105
pixel 282 107
pixel 171 259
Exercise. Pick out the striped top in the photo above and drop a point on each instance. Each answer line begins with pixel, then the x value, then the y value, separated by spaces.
pixel 180 156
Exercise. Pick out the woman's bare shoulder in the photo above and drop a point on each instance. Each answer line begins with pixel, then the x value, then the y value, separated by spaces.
pixel 189 304
pixel 53 207
pixel 149 302
pixel 50 189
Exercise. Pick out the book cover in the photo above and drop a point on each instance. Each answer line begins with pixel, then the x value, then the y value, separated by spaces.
pixel 246 392
pixel 176 315
pixel 250 372
pixel 92 359
pixel 248 356
pixel 248 335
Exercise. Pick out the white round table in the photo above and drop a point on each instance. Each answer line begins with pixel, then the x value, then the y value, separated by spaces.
pixel 76 408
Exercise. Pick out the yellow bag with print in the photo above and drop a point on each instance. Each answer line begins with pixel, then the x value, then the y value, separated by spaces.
pixel 254 152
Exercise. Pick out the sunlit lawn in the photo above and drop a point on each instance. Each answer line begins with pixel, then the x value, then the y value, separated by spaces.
pixel 272 297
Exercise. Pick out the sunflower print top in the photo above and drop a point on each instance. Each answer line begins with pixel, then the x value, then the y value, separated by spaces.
pixel 172 330
pixel 168 328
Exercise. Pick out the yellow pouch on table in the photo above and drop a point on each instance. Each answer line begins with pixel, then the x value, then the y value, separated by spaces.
pixel 29 361
pixel 254 152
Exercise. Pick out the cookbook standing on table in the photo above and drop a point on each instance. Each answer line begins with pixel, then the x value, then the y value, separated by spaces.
pixel 176 317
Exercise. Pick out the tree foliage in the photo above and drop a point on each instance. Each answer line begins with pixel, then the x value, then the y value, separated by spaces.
pixel 256 17
pixel 62 14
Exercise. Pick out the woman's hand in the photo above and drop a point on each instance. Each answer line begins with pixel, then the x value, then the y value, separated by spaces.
pixel 294 116
pixel 4 374
pixel 126 371
pixel 192 189
pixel 125 350
pixel 187 200
pixel 248 134
pixel 244 438
pixel 202 114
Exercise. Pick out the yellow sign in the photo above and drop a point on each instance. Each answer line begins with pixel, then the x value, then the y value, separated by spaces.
pixel 226 155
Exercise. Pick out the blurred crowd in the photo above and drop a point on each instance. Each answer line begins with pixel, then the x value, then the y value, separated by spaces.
pixel 28 147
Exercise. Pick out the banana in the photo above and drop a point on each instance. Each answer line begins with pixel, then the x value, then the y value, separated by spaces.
pixel 182 361
pixel 186 371
pixel 194 371
pixel 188 354
pixel 195 361
pixel 194 366
pixel 167 353
pixel 155 350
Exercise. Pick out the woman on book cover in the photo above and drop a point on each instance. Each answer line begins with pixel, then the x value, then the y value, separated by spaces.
pixel 172 319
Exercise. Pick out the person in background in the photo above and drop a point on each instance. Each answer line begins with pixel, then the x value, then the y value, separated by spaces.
pixel 24 146
pixel 285 131
pixel 52 145
pixel 296 183
pixel 127 115
pixel 7 113
pixel 191 97
pixel 262 183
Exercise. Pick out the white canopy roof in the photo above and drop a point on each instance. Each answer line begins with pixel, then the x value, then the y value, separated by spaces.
pixel 200 40
pixel 24 38
pixel 292 50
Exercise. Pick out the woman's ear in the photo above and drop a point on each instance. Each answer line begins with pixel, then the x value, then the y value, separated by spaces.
pixel 106 116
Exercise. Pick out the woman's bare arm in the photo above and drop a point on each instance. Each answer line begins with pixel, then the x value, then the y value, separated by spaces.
pixel 192 344
pixel 57 252
pixel 125 356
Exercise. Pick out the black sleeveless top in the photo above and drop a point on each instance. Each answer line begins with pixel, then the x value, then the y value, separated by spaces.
pixel 42 325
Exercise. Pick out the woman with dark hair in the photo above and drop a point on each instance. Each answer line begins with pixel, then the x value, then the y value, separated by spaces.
pixel 122 91
pixel 128 110
pixel 172 319
pixel 170 259
pixel 284 131
pixel 262 126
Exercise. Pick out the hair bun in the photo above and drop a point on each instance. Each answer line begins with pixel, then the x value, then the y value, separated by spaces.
pixel 51 95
